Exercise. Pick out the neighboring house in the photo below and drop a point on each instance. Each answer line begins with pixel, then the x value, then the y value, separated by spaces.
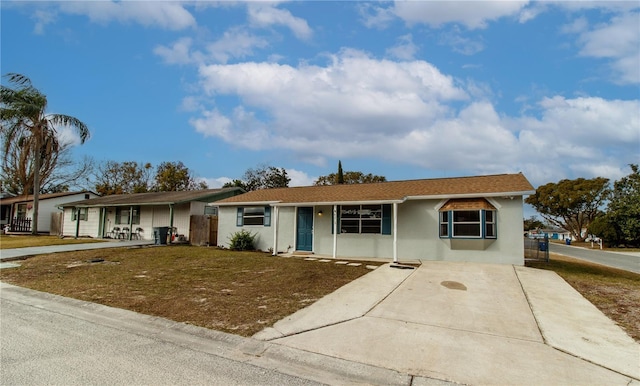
pixel 551 233
pixel 17 211
pixel 476 219
pixel 139 213
pixel 5 210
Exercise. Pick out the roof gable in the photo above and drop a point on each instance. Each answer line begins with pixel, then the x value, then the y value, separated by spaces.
pixel 491 185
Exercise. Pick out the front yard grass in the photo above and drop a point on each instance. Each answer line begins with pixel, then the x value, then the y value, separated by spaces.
pixel 615 292
pixel 22 241
pixel 236 292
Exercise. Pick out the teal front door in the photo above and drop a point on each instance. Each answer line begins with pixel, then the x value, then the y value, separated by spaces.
pixel 304 239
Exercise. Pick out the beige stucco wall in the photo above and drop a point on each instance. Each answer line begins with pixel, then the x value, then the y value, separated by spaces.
pixel 417 236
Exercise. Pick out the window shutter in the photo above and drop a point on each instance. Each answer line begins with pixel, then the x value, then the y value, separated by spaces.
pixel 267 216
pixel 386 219
pixel 239 218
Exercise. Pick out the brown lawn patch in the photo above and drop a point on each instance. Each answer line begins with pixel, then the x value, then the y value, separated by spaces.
pixel 615 292
pixel 237 292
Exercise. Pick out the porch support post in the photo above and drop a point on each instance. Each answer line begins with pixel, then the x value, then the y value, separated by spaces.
pixel 335 231
pixel 103 222
pixel 130 222
pixel 275 230
pixel 170 222
pixel 395 232
pixel 77 222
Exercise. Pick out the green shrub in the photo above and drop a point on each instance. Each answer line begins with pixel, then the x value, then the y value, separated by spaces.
pixel 242 241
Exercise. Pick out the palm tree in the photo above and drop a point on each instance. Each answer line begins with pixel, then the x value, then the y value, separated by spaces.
pixel 25 122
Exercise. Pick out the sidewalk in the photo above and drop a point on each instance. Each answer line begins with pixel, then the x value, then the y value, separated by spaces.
pixel 21 253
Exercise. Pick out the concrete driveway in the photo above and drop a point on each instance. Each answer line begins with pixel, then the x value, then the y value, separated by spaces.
pixel 466 323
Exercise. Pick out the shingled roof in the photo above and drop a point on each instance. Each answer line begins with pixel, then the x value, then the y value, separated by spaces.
pixel 156 198
pixel 398 191
pixel 41 197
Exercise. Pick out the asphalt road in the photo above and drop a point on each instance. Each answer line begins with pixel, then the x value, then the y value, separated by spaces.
pixel 52 340
pixel 40 346
pixel 611 259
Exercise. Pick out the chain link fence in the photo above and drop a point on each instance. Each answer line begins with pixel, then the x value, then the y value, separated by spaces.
pixel 536 248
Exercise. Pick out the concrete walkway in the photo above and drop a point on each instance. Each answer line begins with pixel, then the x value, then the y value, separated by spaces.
pixel 20 253
pixel 466 323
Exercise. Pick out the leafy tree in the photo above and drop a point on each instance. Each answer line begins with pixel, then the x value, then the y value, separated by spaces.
pixel 26 122
pixel 58 172
pixel 571 204
pixel 122 178
pixel 349 178
pixel 262 177
pixel 620 224
pixel 532 223
pixel 174 176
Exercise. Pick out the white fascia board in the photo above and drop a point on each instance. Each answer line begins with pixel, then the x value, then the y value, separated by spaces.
pixel 327 203
pixel 469 195
pixel 248 203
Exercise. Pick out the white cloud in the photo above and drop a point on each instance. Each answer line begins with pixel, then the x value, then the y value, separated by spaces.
pixel 300 178
pixel 410 113
pixel 618 40
pixel 472 14
pixel 354 96
pixel 162 14
pixel 178 53
pixel 459 43
pixel 235 43
pixel 216 182
pixel 405 49
pixel 43 17
pixel 266 14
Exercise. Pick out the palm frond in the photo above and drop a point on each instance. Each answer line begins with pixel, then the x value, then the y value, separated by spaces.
pixel 69 121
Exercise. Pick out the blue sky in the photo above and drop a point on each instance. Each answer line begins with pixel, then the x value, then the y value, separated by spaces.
pixel 406 90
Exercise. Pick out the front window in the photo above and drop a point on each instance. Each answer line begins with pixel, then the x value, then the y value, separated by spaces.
pixel 444 224
pixel 123 214
pixel 468 224
pixel 489 224
pixel 22 211
pixel 361 219
pixel 253 216
pixel 84 214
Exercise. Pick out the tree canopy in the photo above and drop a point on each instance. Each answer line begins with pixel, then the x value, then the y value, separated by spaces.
pixel 122 178
pixel 174 176
pixel 342 177
pixel 620 223
pixel 27 125
pixel 261 177
pixel 571 204
pixel 349 178
pixel 133 177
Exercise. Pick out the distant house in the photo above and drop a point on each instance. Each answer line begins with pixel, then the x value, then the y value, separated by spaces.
pixel 17 211
pixel 136 215
pixel 476 219
pixel 551 233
